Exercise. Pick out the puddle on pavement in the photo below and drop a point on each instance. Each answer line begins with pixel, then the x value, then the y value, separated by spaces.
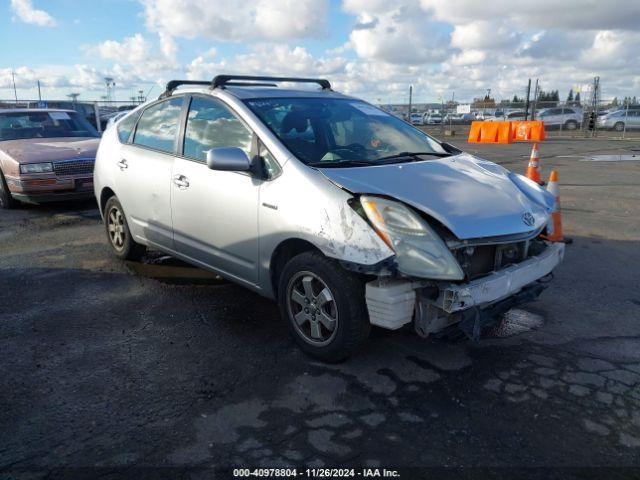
pixel 172 271
pixel 612 158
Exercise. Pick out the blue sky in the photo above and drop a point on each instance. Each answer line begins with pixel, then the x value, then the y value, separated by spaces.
pixel 370 48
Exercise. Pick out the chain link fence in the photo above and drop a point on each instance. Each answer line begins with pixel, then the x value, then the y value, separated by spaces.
pixel 608 118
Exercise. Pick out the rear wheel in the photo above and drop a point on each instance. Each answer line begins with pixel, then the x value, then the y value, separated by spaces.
pixel 6 200
pixel 619 126
pixel 118 232
pixel 571 125
pixel 324 306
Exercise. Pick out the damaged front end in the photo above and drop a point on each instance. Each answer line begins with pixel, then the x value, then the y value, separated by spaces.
pixel 498 277
pixel 466 249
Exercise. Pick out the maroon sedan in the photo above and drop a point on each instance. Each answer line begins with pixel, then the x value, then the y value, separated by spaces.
pixel 45 155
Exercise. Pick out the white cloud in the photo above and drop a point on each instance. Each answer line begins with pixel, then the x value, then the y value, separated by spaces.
pixel 27 13
pixel 276 60
pixel 484 34
pixel 137 58
pixel 400 32
pixel 131 50
pixel 566 14
pixel 238 20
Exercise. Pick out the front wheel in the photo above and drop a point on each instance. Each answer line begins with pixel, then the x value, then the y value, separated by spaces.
pixel 618 127
pixel 6 200
pixel 571 125
pixel 324 306
pixel 118 232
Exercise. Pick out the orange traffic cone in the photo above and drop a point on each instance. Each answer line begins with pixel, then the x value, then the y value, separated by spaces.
pixel 555 234
pixel 533 170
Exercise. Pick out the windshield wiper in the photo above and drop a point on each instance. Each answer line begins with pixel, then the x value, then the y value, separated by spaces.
pixel 414 155
pixel 342 163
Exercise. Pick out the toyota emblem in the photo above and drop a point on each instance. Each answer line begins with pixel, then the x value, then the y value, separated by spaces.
pixel 528 219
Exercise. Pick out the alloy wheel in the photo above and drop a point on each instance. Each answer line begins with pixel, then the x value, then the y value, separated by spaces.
pixel 312 308
pixel 116 228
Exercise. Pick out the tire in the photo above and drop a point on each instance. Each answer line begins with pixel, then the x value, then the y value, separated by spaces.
pixel 344 305
pixel 619 126
pixel 118 233
pixel 571 125
pixel 6 200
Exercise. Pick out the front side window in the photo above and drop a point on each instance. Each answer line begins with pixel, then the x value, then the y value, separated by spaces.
pixel 158 125
pixel 210 124
pixel 50 124
pixel 330 130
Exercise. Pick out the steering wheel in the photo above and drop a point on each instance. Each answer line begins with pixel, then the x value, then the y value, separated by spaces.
pixel 351 148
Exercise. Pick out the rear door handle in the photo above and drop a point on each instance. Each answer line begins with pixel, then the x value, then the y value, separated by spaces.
pixel 123 164
pixel 181 181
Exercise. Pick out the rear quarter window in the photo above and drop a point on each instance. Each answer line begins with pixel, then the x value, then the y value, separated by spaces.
pixel 125 127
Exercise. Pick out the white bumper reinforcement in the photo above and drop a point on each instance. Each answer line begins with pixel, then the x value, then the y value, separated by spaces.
pixel 391 302
pixel 501 284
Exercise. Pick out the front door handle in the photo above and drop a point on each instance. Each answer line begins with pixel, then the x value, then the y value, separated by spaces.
pixel 181 181
pixel 123 164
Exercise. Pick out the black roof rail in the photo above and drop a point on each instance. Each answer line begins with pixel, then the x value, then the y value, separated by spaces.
pixel 222 80
pixel 173 84
pixel 249 84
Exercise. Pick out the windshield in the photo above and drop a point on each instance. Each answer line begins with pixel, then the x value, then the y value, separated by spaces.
pixel 319 130
pixel 53 124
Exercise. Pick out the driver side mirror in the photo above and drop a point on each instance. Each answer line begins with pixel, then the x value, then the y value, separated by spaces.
pixel 228 159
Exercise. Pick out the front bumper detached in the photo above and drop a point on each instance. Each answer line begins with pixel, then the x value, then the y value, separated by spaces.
pixel 473 306
pixel 501 284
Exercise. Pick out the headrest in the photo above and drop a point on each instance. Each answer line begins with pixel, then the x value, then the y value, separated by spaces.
pixel 294 119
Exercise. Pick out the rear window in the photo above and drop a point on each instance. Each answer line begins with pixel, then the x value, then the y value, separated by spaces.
pixel 39 124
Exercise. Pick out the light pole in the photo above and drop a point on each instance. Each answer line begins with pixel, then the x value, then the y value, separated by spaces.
pixel 15 92
pixel 110 84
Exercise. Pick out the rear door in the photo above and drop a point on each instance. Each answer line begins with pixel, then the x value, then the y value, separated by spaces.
pixel 143 173
pixel 215 213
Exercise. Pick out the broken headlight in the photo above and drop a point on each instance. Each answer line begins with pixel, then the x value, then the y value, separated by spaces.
pixel 419 250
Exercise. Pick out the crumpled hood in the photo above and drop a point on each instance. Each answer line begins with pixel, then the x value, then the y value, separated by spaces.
pixel 34 150
pixel 471 197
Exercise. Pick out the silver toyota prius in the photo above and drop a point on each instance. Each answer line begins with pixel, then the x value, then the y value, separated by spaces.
pixel 346 215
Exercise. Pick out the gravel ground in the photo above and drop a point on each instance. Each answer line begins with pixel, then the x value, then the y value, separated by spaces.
pixel 115 368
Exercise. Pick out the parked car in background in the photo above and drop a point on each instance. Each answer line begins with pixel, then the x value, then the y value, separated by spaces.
pixel 459 118
pixel 620 120
pixel 45 155
pixel 346 215
pixel 115 117
pixel 417 118
pixel 87 110
pixel 569 118
pixel 513 115
pixel 433 119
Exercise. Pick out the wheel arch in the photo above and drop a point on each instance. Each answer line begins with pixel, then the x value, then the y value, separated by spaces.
pixel 285 251
pixel 105 195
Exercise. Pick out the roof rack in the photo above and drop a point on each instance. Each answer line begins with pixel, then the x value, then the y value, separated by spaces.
pixel 242 81
pixel 223 80
pixel 173 84
pixel 250 84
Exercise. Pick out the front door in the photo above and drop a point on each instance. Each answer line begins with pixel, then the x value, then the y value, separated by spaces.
pixel 215 213
pixel 143 173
